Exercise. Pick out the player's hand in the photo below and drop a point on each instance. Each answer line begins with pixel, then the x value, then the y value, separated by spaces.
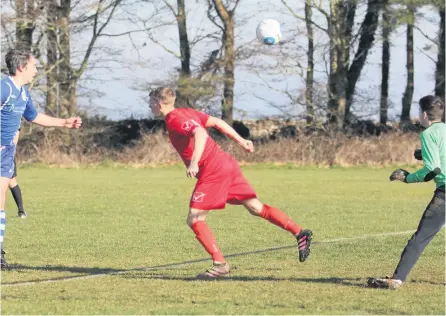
pixel 399 174
pixel 247 145
pixel 417 154
pixel 73 122
pixel 192 170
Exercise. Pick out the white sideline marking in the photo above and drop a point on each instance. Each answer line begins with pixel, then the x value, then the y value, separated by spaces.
pixel 91 276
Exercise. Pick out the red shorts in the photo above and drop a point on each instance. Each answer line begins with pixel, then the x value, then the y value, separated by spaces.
pixel 220 182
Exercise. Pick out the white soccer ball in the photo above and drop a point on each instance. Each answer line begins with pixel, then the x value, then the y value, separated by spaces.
pixel 269 32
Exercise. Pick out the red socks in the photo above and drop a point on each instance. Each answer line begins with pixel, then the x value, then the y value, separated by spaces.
pixel 273 215
pixel 207 240
pixel 279 218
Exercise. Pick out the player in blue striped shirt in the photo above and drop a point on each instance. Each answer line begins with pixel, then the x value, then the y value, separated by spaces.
pixel 16 102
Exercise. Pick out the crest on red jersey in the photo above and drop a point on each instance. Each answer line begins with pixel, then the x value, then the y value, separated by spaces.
pixel 198 196
pixel 186 126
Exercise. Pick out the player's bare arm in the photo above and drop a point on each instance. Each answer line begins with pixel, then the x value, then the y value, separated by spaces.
pixel 226 129
pixel 200 137
pixel 49 121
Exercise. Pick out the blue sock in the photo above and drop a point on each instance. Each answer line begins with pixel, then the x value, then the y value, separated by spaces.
pixel 2 227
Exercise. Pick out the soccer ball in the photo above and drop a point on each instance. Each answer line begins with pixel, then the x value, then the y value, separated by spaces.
pixel 269 32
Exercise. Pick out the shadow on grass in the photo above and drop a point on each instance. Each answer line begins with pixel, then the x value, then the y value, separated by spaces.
pixel 83 270
pixel 426 282
pixel 356 282
pixel 144 273
pixel 353 282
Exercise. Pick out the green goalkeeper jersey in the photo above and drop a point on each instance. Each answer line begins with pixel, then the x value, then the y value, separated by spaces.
pixel 433 152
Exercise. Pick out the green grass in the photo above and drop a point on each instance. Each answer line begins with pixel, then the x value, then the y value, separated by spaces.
pixel 89 221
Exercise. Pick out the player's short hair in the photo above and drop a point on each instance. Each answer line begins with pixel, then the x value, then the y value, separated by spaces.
pixel 163 95
pixel 15 58
pixel 433 106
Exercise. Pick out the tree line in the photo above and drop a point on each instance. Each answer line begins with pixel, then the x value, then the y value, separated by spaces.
pixel 52 28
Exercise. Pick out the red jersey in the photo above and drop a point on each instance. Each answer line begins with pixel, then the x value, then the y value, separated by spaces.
pixel 180 124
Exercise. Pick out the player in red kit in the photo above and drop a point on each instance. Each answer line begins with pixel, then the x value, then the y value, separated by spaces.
pixel 220 179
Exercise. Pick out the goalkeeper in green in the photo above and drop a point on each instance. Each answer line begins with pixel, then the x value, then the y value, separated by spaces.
pixel 433 156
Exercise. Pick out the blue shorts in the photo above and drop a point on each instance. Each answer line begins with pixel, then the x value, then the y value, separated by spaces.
pixel 7 161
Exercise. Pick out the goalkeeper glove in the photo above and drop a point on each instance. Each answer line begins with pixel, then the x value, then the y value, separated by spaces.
pixel 417 154
pixel 399 174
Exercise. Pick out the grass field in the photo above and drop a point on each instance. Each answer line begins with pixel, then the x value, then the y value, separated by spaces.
pixel 92 223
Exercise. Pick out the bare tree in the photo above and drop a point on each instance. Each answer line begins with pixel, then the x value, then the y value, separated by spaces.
pixel 52 59
pixel 386 29
pixel 67 79
pixel 226 17
pixel 309 78
pixel 343 75
pixel 195 80
pixel 49 25
pixel 408 93
pixel 440 67
pixel 340 23
pixel 184 40
pixel 185 52
pixel 310 63
pixel 332 89
pixel 26 13
pixel 366 40
pixel 68 74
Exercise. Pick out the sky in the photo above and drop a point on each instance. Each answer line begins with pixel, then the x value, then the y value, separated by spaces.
pixel 139 61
